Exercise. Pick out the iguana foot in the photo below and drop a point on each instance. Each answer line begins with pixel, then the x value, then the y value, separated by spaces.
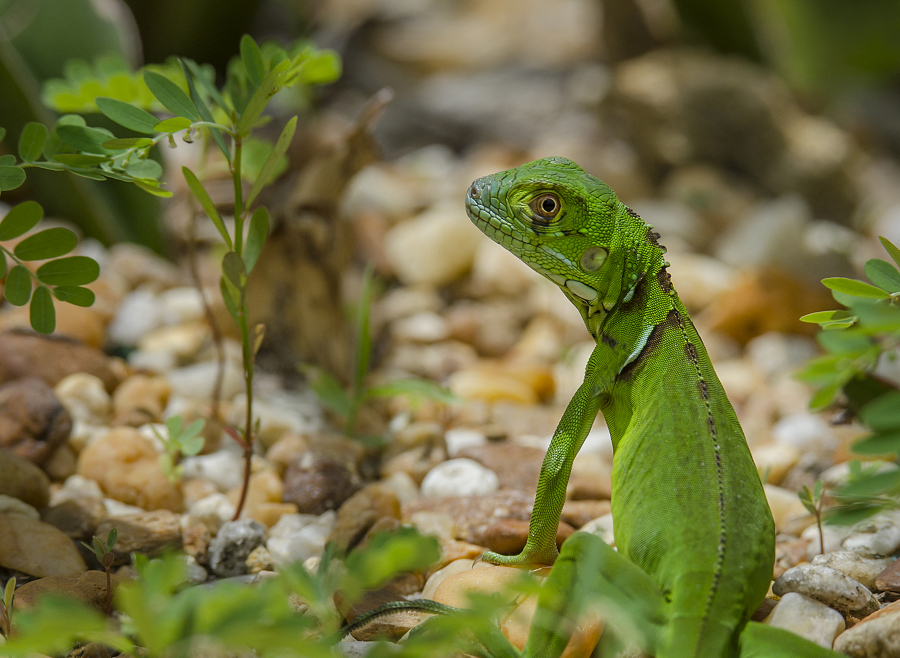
pixel 529 556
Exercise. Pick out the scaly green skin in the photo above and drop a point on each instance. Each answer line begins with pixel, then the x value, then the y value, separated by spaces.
pixel 694 532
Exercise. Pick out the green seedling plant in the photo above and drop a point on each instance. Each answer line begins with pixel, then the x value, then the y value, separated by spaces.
pixel 6 607
pixel 179 442
pixel 860 341
pixel 812 501
pixel 104 555
pixel 345 403
pixel 225 117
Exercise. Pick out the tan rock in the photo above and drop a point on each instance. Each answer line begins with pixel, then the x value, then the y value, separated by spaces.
pixel 360 512
pixel 126 466
pixel 492 580
pixel 149 533
pixel 88 587
pixel 789 513
pixel 491 385
pixel 265 487
pixel 140 399
pixel 37 548
pixel 284 451
pixel 435 248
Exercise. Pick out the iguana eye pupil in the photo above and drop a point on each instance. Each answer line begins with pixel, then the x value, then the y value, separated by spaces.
pixel 547 206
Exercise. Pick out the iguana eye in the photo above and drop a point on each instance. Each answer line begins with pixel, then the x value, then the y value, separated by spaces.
pixel 546 206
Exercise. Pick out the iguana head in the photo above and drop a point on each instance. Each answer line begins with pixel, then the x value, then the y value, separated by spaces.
pixel 566 225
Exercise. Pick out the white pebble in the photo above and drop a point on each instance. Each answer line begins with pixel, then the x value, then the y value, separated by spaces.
pixel 880 536
pixel 156 361
pixel 459 477
pixel 403 486
pixel 118 508
pixel 85 398
pixel 460 438
pixel 806 432
pixel 76 487
pixel 423 327
pixel 602 526
pixel 807 618
pixel 197 380
pixel 212 511
pixel 833 535
pixel 224 468
pixel 138 314
pixel 179 305
pixel 298 537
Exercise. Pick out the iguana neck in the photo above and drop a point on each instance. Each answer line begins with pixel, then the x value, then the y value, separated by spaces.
pixel 636 292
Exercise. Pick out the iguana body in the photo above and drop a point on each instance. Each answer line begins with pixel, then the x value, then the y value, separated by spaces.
pixel 694 532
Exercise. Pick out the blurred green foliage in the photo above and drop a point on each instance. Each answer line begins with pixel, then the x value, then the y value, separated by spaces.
pixel 859 340
pixel 37 38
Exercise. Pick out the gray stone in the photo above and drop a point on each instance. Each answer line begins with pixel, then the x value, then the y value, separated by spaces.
pixel 858 567
pixel 826 585
pixel 236 540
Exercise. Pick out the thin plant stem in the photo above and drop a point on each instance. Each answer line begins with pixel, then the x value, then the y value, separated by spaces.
pixel 210 319
pixel 239 216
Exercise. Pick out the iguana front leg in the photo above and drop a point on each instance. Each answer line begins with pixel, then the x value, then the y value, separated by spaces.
pixel 573 428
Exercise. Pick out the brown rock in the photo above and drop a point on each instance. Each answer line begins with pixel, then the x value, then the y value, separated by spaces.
pixel 126 466
pixel 316 483
pixel 140 399
pixel 360 512
pixel 61 464
pixel 88 587
pixel 508 536
pixel 391 626
pixel 50 358
pixel 149 533
pixel 37 548
pixel 875 636
pixel 889 579
pixel 578 512
pixel 474 515
pixel 33 423
pixel 21 479
pixel 517 466
pixel 78 517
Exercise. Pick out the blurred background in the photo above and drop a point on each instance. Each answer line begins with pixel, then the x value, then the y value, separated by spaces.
pixel 760 137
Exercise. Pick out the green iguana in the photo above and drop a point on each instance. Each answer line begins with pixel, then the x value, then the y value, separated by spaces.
pixel 694 532
pixel 695 537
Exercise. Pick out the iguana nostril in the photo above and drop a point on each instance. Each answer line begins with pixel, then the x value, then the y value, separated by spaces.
pixel 475 190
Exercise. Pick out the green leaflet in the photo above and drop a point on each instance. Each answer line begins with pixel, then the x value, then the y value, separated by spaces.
pixel 42 313
pixel 20 219
pixel 50 243
pixel 71 271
